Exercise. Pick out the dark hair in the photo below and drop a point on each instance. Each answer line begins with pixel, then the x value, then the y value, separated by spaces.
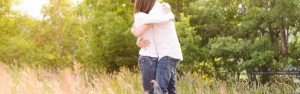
pixel 144 5
pixel 132 1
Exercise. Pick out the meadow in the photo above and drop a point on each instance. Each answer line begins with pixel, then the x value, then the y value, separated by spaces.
pixel 75 80
pixel 219 39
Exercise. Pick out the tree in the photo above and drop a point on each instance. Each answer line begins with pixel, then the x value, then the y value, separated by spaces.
pixel 228 28
pixel 113 45
pixel 59 34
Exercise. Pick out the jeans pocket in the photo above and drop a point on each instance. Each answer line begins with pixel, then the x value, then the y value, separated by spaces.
pixel 175 62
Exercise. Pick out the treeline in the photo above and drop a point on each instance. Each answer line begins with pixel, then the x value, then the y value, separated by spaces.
pixel 218 37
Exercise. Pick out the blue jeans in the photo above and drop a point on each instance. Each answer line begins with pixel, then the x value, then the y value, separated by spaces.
pixel 148 68
pixel 166 74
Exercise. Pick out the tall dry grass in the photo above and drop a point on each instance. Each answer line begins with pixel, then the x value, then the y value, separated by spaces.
pixel 75 80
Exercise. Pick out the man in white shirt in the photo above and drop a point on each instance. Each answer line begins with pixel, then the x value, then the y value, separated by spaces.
pixel 168 50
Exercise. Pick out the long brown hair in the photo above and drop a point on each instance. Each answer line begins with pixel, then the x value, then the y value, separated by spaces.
pixel 144 6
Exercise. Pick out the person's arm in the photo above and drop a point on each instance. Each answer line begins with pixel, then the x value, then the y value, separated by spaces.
pixel 150 19
pixel 160 19
pixel 168 15
pixel 139 18
pixel 140 30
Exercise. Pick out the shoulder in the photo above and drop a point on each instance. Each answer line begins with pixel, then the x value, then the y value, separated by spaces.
pixel 139 18
pixel 140 15
pixel 155 8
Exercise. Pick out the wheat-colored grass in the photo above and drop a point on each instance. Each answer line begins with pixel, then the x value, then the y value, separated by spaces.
pixel 75 80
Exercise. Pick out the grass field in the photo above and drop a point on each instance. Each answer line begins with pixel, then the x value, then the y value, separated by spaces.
pixel 74 80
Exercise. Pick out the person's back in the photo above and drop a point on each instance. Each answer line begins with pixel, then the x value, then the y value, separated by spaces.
pixel 169 52
pixel 167 41
pixel 165 36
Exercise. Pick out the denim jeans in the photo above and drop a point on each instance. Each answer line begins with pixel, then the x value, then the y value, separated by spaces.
pixel 148 68
pixel 166 74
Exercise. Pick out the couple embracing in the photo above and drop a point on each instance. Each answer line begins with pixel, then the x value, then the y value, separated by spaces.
pixel 160 51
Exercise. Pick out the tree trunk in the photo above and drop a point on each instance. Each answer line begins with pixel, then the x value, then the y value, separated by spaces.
pixel 216 68
pixel 272 35
pixel 238 75
pixel 265 78
pixel 203 69
pixel 284 46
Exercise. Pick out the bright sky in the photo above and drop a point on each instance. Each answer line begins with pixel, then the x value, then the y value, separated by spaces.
pixel 33 7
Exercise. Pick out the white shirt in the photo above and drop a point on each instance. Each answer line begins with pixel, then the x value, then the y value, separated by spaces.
pixel 143 18
pixel 165 36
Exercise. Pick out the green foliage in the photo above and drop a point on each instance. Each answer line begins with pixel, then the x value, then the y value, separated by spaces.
pixel 190 43
pixel 112 44
pixel 218 37
pixel 295 51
